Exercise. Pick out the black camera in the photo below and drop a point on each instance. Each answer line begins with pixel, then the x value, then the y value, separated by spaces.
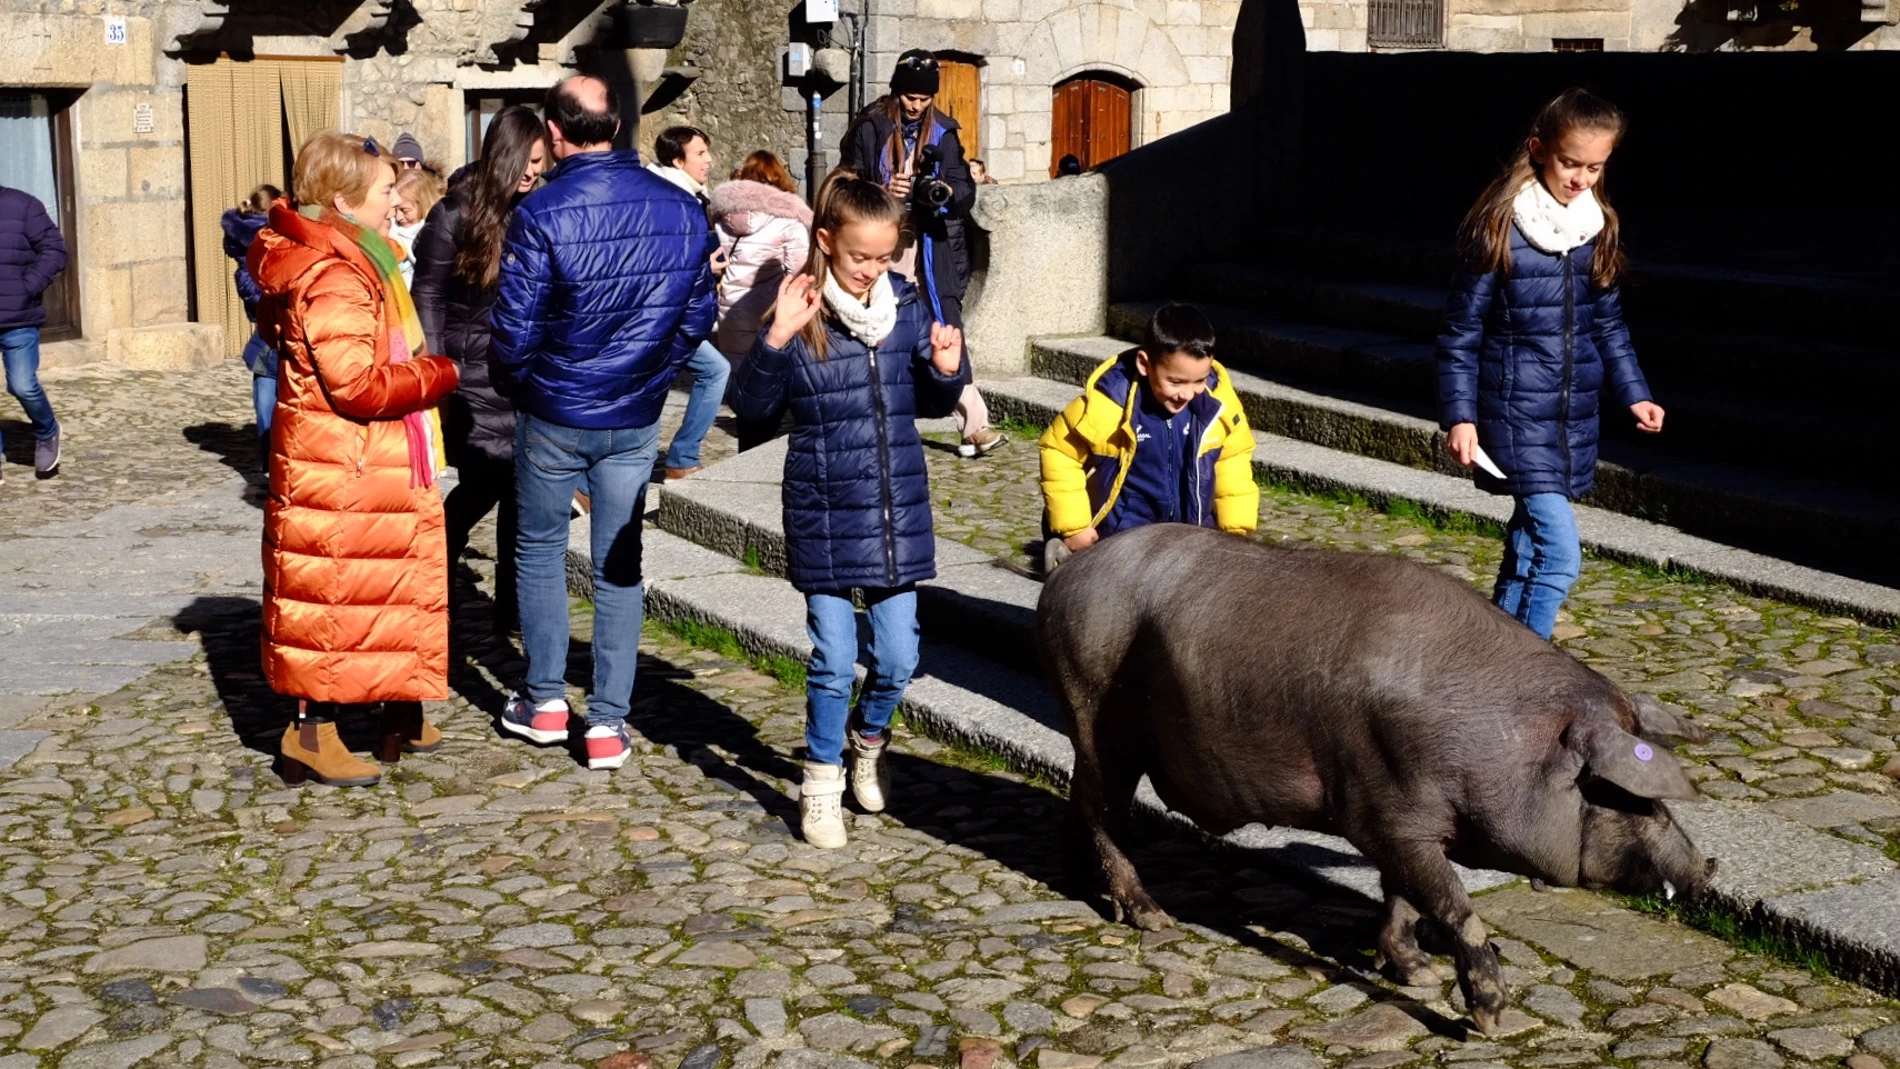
pixel 927 190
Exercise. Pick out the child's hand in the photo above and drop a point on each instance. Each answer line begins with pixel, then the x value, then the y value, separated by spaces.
pixel 1462 443
pixel 946 348
pixel 798 302
pixel 1649 416
pixel 721 259
pixel 1082 539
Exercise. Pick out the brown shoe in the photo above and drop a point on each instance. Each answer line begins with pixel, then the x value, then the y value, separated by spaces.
pixel 312 749
pixel 406 730
pixel 674 475
pixel 581 506
pixel 980 443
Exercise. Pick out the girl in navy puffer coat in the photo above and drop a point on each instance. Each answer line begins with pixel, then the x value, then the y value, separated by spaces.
pixel 852 352
pixel 1533 333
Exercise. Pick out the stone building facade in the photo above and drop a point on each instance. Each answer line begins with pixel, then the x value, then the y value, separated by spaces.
pixel 1601 25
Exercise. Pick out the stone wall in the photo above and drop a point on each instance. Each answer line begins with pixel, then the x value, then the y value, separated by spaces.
pixel 129 186
pixel 1179 53
pixel 1622 26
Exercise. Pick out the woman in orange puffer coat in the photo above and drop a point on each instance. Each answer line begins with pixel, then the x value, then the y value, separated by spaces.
pixel 355 562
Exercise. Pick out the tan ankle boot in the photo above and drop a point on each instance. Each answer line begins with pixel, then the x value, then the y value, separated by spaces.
pixel 411 730
pixel 312 749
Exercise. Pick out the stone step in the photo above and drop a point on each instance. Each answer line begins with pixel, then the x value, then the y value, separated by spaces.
pixel 1821 516
pixel 1819 891
pixel 1771 302
pixel 1839 413
pixel 1618 535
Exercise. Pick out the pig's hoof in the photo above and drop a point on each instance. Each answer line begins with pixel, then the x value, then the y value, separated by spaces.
pixel 1142 912
pixel 1422 973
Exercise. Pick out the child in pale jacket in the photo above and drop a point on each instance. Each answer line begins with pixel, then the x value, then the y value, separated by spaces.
pixel 765 228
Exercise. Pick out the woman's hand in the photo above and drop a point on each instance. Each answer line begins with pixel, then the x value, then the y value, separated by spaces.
pixel 899 186
pixel 798 301
pixel 1649 416
pixel 1462 443
pixel 946 348
pixel 1082 539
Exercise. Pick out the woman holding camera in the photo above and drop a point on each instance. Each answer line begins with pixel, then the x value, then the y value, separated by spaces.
pixel 910 147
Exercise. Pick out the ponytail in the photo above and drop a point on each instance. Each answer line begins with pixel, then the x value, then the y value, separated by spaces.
pixel 844 198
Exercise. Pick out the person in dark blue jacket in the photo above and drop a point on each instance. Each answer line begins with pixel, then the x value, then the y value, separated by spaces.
pixel 605 290
pixel 241 225
pixel 32 254
pixel 1533 334
pixel 852 351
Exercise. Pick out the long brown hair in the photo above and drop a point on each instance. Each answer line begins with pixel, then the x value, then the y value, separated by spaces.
pixel 765 168
pixel 488 194
pixel 845 198
pixel 1484 238
pixel 894 148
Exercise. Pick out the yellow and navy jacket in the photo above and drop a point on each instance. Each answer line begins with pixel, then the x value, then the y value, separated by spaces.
pixel 1088 450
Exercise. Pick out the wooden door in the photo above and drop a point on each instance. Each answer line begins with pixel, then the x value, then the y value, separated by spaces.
pixel 960 96
pixel 1093 121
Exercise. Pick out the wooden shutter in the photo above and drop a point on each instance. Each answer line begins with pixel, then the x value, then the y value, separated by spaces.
pixel 960 96
pixel 1093 121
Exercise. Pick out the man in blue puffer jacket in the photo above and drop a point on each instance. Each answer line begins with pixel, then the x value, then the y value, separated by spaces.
pixel 606 289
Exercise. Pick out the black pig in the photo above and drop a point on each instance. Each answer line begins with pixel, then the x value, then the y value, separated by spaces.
pixel 1364 696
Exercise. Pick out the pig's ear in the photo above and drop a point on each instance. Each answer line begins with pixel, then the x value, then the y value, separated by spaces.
pixel 1612 754
pixel 1657 721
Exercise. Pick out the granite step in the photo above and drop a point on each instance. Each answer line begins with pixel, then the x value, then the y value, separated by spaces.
pixel 1816 517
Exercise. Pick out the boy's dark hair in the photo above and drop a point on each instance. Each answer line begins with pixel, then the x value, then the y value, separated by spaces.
pixel 670 147
pixel 578 125
pixel 1179 328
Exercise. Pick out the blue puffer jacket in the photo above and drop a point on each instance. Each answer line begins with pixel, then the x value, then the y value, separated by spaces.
pixel 31 254
pixel 1524 355
pixel 240 229
pixel 857 498
pixel 606 289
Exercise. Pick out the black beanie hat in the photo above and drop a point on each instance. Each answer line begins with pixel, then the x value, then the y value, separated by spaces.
pixel 916 72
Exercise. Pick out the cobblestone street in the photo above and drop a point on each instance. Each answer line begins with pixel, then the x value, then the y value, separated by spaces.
pixel 166 901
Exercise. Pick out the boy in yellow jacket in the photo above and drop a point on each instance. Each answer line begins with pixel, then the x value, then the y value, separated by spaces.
pixel 1158 436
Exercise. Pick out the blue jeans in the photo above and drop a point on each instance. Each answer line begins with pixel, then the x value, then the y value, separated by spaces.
pixel 21 348
pixel 1542 558
pixel 891 658
pixel 614 467
pixel 258 357
pixel 710 369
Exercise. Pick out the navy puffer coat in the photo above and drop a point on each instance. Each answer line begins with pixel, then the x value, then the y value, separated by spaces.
pixel 31 254
pixel 240 229
pixel 857 497
pixel 606 289
pixel 1525 354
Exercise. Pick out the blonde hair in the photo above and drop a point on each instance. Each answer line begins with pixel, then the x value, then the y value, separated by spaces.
pixel 332 165
pixel 422 186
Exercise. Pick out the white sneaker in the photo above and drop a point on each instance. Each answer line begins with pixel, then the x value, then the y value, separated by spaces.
pixel 821 805
pixel 870 778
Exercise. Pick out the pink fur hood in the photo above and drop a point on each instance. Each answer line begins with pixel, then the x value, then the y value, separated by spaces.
pixel 735 205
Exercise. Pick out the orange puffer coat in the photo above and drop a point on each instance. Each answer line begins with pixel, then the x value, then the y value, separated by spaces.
pixel 355 562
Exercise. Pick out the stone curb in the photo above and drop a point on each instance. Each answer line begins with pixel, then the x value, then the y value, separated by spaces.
pixel 1694 495
pixel 1605 533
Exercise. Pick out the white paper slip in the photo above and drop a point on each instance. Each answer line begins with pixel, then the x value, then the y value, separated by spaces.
pixel 1484 461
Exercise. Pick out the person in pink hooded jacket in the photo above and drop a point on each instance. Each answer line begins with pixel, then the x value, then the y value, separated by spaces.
pixel 766 230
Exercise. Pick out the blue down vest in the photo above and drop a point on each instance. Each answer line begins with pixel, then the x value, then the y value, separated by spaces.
pixel 1525 354
pixel 857 500
pixel 605 290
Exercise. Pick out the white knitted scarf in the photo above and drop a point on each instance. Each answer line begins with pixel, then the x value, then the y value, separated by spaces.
pixel 1553 227
pixel 869 323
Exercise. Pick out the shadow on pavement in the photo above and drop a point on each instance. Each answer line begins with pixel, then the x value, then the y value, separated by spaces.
pixel 235 447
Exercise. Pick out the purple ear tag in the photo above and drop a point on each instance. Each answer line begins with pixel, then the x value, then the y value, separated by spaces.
pixel 1643 752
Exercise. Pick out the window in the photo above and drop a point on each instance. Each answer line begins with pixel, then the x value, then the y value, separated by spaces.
pixel 485 105
pixel 1576 44
pixel 960 96
pixel 1093 121
pixel 1405 23
pixel 36 156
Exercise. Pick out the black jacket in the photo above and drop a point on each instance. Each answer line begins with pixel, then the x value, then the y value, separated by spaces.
pixel 31 254
pixel 866 150
pixel 478 424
